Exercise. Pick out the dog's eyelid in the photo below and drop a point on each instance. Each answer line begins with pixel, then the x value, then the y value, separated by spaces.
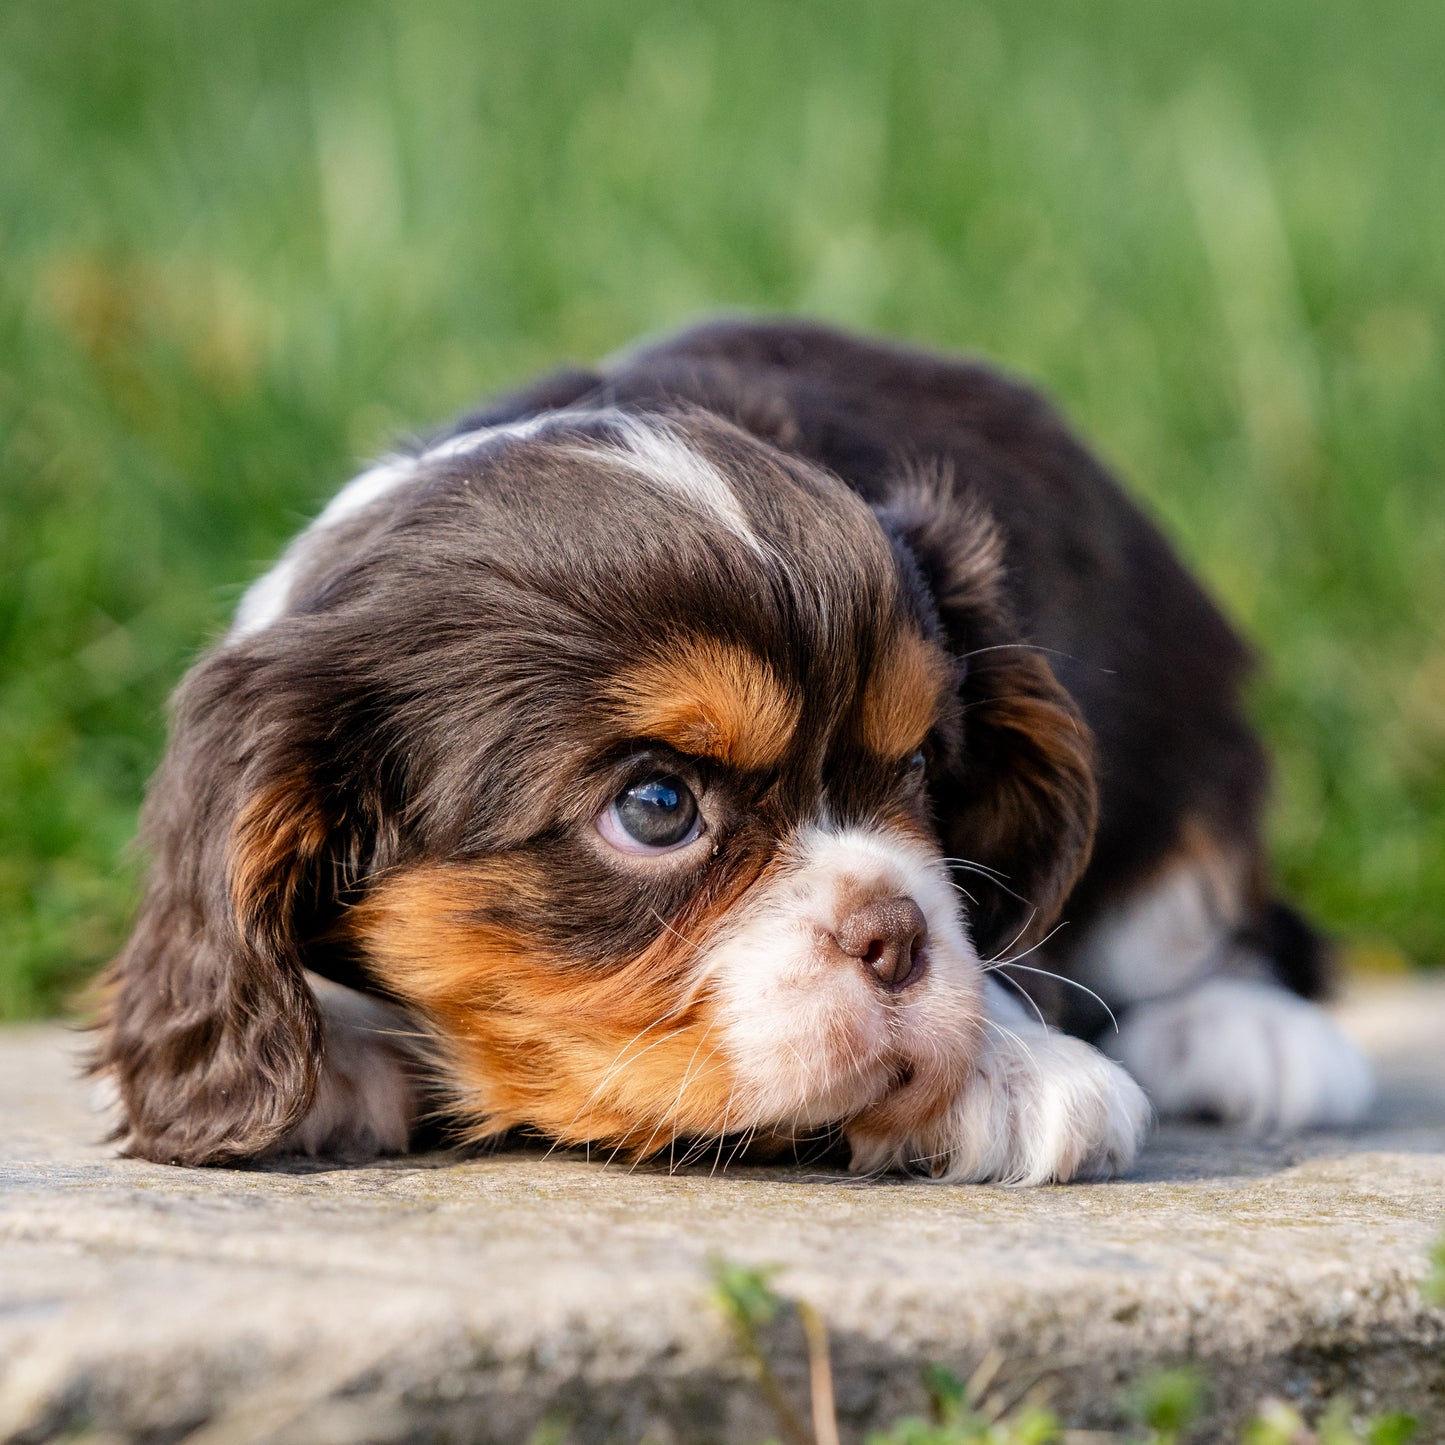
pixel 921 754
pixel 629 759
pixel 643 757
pixel 914 767
pixel 650 758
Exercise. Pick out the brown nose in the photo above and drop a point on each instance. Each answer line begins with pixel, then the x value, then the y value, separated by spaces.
pixel 887 937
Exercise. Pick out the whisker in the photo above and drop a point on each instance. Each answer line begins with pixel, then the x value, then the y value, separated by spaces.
pixel 741 1147
pixel 678 1098
pixel 1027 924
pixel 1062 978
pixel 617 1067
pixel 806 1066
pixel 383 1031
pixel 690 943
pixel 723 1131
pixel 1000 959
pixel 993 876
pixel 1022 992
pixel 977 867
pixel 1022 647
pixel 695 1150
pixel 698 1146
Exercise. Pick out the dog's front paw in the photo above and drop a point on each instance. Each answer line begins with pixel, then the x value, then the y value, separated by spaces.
pixel 1247 1053
pixel 1039 1108
pixel 365 1101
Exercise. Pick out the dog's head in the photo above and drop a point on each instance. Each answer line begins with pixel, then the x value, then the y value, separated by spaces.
pixel 638 758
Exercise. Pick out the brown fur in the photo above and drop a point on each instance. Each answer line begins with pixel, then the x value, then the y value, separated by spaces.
pixel 1025 805
pixel 208 1030
pixel 1032 821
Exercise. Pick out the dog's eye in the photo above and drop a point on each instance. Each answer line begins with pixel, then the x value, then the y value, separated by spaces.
pixel 916 766
pixel 653 816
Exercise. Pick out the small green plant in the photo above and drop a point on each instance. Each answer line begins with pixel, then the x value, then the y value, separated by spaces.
pixel 748 1301
pixel 1281 1424
pixel 551 1430
pixel 1435 1284
pixel 973 1412
pixel 1166 1403
pixel 968 1412
pixel 985 1410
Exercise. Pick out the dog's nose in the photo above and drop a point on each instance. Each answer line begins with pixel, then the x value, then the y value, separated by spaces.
pixel 887 937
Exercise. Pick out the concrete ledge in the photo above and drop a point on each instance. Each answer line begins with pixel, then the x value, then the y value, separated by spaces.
pixel 429 1298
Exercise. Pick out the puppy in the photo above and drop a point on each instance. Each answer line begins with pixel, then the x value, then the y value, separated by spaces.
pixel 706 748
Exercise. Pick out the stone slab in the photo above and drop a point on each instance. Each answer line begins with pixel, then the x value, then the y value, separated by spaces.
pixel 470 1299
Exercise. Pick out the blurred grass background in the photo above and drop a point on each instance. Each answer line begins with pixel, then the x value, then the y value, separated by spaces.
pixel 245 244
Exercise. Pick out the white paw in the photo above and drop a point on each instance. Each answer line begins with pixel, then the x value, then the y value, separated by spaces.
pixel 1039 1108
pixel 1248 1053
pixel 365 1098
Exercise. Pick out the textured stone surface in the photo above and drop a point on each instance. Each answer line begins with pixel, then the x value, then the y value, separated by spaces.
pixel 436 1298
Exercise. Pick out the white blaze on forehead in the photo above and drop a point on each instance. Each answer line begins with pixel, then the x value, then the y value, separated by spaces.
pixel 474 440
pixel 653 451
pixel 264 600
pixel 267 599
pixel 813 1039
pixel 646 449
pixel 877 861
pixel 371 486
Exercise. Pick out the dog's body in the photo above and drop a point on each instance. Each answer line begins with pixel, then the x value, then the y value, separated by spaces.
pixel 611 739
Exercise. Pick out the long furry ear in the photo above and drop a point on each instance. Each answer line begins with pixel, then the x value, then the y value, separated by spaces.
pixel 209 1033
pixel 1018 800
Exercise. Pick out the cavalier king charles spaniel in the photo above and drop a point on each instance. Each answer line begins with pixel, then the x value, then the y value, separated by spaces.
pixel 710 749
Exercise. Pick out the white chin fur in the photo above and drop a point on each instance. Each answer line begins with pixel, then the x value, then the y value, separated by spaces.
pixel 1039 1108
pixel 811 1040
pixel 1248 1053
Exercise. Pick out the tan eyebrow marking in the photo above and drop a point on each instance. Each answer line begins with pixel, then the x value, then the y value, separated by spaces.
pixel 902 696
pixel 709 698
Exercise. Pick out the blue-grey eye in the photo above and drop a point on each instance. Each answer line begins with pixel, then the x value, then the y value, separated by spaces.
pixel 917 765
pixel 652 816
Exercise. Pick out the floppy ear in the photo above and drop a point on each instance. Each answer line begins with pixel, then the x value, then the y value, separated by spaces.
pixel 1018 798
pixel 209 1032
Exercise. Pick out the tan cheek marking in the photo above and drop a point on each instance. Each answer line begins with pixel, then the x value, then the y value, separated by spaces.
pixel 900 702
pixel 710 699
pixel 619 1055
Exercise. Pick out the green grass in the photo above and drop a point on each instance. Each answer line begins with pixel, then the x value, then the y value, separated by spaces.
pixel 245 243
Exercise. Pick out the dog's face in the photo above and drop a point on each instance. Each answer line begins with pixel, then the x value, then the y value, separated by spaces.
pixel 673 870
pixel 628 752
